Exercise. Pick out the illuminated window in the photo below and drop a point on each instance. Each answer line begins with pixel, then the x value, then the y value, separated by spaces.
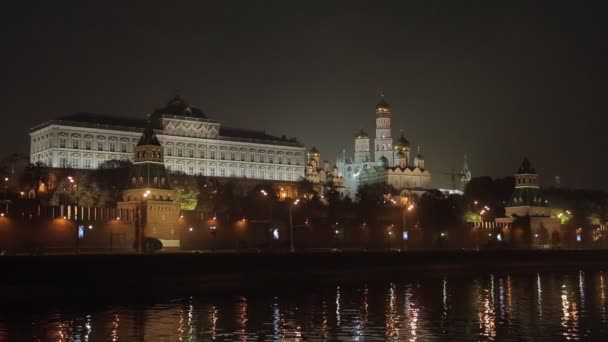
pixel 222 172
pixel 74 143
pixel 87 144
pixel 223 155
pixel 75 163
pixel 100 145
pixel 232 155
pixel 212 171
pixel 123 147
pixel 62 142
pixel 112 146
pixel 169 150
pixel 87 163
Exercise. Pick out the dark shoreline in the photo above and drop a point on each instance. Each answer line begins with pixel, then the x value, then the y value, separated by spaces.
pixel 134 277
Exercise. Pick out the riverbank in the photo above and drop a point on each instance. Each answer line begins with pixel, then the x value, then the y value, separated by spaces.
pixel 133 276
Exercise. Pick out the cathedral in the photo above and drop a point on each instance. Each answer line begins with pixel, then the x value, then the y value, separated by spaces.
pixel 388 162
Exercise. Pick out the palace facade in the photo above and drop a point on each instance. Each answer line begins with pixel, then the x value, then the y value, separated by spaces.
pixel 192 143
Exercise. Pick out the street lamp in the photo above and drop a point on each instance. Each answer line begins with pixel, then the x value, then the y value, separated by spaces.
pixel 140 230
pixel 77 213
pixel 291 204
pixel 213 232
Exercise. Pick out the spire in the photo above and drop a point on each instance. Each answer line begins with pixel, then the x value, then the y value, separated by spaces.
pixel 526 167
pixel 465 167
pixel 148 137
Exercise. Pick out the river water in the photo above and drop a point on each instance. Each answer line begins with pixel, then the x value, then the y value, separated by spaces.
pixel 516 306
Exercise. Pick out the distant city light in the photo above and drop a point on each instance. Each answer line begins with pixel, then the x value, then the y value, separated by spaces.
pixel 405 236
pixel 190 229
pixel 578 238
pixel 275 234
pixel 499 237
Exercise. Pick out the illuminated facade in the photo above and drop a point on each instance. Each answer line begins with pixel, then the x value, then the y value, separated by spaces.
pixel 321 176
pixel 391 163
pixel 193 144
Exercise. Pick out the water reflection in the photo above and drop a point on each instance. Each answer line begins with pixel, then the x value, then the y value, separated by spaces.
pixel 511 307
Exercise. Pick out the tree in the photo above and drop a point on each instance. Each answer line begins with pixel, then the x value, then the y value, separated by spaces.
pixel 33 175
pixel 79 190
pixel 113 177
pixel 187 197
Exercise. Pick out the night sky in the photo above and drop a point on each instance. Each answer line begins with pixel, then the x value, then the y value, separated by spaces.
pixel 493 80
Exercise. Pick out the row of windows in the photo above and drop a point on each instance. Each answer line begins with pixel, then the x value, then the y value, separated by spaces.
pixel 87 163
pixel 126 147
pixel 253 157
pixel 113 146
pixel 241 172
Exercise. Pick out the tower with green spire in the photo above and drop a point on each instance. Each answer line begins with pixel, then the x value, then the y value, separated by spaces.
pixel 150 197
pixel 527 198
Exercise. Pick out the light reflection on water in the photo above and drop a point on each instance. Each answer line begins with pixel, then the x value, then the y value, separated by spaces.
pixel 506 307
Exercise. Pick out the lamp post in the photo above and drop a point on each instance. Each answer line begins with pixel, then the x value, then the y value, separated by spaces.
pixel 213 232
pixel 140 230
pixel 270 199
pixel 291 204
pixel 76 213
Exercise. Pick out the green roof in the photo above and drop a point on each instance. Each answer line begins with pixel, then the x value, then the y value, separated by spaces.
pixel 527 197
pixel 149 172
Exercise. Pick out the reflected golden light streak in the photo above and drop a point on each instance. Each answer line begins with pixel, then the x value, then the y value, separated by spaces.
pixel 539 296
pixel 569 319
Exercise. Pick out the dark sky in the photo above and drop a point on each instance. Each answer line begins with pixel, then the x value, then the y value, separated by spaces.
pixel 495 80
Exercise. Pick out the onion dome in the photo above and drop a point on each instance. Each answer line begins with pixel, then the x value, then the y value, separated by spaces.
pixel 526 167
pixel 402 143
pixel 400 155
pixel 383 107
pixel 178 106
pixel 383 162
pixel 361 134
pixel 314 151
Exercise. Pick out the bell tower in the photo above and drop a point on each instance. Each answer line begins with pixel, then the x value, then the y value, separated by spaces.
pixel 383 143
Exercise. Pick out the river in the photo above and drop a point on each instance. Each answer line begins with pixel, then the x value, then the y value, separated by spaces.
pixel 507 306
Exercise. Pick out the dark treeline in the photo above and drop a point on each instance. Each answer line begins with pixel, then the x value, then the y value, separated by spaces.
pixel 374 218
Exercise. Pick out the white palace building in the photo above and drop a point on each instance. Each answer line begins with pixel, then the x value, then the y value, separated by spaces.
pixel 193 144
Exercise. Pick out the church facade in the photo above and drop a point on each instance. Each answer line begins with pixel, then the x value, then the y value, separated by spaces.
pixel 192 143
pixel 387 162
